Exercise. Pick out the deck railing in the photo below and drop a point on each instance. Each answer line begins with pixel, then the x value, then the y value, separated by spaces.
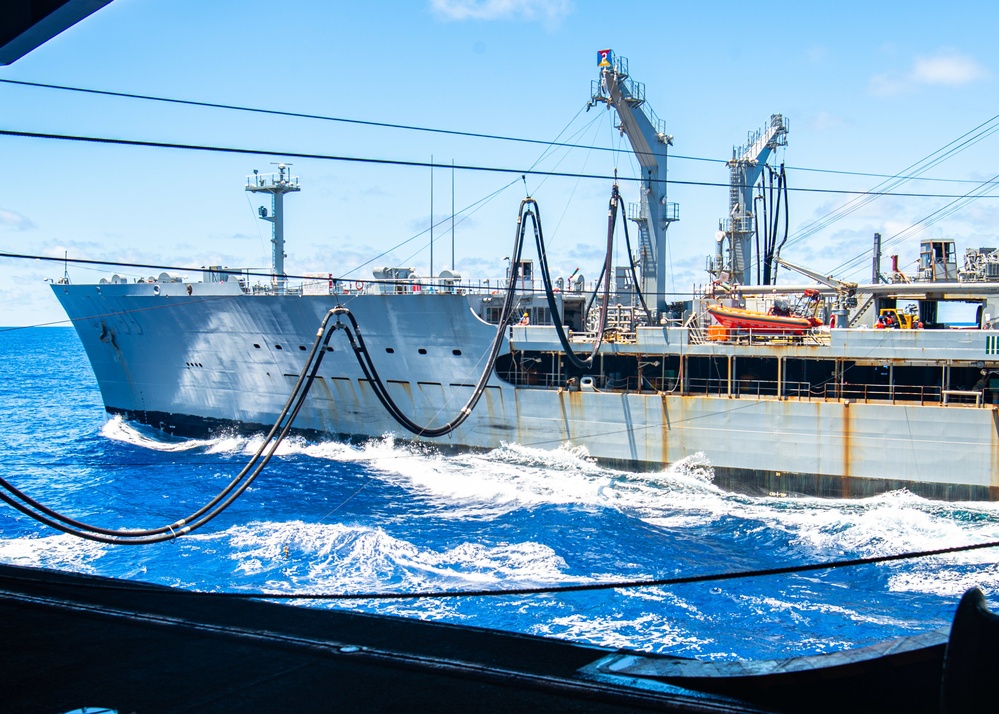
pixel 652 382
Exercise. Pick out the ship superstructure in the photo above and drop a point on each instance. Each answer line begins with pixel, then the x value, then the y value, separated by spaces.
pixel 846 410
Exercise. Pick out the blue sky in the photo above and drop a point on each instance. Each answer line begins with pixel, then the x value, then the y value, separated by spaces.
pixel 866 88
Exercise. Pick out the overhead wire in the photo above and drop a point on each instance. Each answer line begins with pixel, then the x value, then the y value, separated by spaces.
pixel 943 212
pixel 319 117
pixel 418 164
pixel 407 127
pixel 863 197
pixel 124 586
pixel 913 229
pixel 966 140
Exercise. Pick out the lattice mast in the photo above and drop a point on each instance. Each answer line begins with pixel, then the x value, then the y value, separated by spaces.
pixel 277 185
pixel 738 228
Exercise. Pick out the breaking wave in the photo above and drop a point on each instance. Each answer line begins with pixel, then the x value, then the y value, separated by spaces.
pixel 385 515
pixel 483 486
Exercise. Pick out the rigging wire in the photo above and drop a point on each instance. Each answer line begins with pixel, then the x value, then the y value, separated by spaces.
pixel 945 211
pixel 594 124
pixel 556 589
pixel 422 164
pixel 629 584
pixel 390 125
pixel 966 140
pixel 465 213
pixel 321 117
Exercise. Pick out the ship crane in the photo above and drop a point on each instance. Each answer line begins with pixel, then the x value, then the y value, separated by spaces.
pixel 737 229
pixel 649 141
pixel 846 292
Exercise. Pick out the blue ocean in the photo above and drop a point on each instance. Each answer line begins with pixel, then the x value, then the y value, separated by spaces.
pixel 389 517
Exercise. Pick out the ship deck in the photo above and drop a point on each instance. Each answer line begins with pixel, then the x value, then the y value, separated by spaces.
pixel 71 641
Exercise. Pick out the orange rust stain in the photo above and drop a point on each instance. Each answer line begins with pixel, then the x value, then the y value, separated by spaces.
pixel 575 408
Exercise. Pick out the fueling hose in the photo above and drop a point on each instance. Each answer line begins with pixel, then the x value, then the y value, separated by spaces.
pixel 783 184
pixel 631 264
pixel 31 507
pixel 17 499
pixel 535 215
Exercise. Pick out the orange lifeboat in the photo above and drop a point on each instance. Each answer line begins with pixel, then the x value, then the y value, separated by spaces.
pixel 760 322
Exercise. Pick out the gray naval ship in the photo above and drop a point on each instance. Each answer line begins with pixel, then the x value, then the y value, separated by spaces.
pixel 782 389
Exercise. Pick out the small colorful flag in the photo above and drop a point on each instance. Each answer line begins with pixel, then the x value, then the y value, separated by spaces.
pixel 605 58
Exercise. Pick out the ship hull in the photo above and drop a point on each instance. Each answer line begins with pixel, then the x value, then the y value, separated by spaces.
pixel 215 360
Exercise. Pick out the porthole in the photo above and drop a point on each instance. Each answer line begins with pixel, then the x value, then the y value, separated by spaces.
pixel 422 351
pixel 278 347
pixel 256 345
pixel 389 350
pixel 456 353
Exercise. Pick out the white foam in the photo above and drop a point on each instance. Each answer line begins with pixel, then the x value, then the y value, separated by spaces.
pixel 62 551
pixel 486 485
pixel 658 633
pixel 296 556
pixel 947 582
pixel 117 429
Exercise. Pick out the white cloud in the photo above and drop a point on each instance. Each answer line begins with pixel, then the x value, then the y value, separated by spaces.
pixel 549 11
pixel 15 221
pixel 947 67
pixel 825 121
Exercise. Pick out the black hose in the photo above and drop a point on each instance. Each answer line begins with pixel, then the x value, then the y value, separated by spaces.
pixel 783 180
pixel 783 184
pixel 759 256
pixel 238 485
pixel 528 209
pixel 213 508
pixel 776 219
pixel 550 293
pixel 371 374
pixel 364 361
pixel 766 195
pixel 631 264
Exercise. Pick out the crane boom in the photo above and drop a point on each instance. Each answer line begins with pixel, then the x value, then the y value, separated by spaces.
pixel 839 285
pixel 649 141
